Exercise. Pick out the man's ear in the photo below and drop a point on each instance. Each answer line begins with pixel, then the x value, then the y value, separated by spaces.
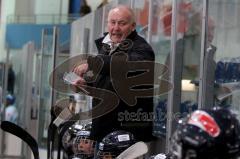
pixel 133 26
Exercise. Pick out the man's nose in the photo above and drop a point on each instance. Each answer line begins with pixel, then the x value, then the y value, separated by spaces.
pixel 116 26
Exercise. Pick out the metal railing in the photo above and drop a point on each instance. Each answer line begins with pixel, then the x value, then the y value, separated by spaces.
pixel 42 19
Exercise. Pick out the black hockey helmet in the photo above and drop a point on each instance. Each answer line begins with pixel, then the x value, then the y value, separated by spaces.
pixel 82 145
pixel 207 134
pixel 115 143
pixel 68 136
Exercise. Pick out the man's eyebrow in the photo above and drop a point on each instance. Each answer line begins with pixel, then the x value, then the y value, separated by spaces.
pixel 122 21
pixel 117 20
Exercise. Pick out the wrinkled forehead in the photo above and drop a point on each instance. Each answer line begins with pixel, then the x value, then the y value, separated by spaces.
pixel 119 14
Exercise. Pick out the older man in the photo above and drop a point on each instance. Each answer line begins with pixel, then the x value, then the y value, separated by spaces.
pixel 121 38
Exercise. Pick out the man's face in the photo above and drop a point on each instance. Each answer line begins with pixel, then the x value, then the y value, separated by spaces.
pixel 120 24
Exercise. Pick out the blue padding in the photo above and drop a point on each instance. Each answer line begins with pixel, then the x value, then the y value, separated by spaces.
pixel 19 34
pixel 75 6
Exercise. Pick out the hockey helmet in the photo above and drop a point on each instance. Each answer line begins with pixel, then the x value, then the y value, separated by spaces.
pixel 10 99
pixel 115 143
pixel 208 134
pixel 83 145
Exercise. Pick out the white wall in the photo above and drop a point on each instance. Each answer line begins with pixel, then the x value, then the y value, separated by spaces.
pixel 47 6
pixel 51 6
pixel 34 7
pixel 7 8
pixel 24 7
pixel 95 3
pixel 65 6
pixel 27 7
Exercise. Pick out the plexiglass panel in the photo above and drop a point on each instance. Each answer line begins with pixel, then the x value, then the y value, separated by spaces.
pixel 124 2
pixel 225 36
pixel 188 47
pixel 97 29
pixel 21 83
pixel 141 10
pixel 160 38
pixel 80 35
pixel 46 65
pixel 160 42
pixel 2 66
pixel 105 13
pixel 188 30
pixel 45 62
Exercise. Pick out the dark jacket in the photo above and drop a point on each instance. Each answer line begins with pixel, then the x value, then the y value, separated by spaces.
pixel 120 118
pixel 11 81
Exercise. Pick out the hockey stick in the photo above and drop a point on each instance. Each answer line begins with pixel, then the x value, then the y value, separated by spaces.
pixel 227 89
pixel 136 150
pixel 22 134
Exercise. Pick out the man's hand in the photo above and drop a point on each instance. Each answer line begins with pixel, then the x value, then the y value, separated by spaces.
pixel 80 70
